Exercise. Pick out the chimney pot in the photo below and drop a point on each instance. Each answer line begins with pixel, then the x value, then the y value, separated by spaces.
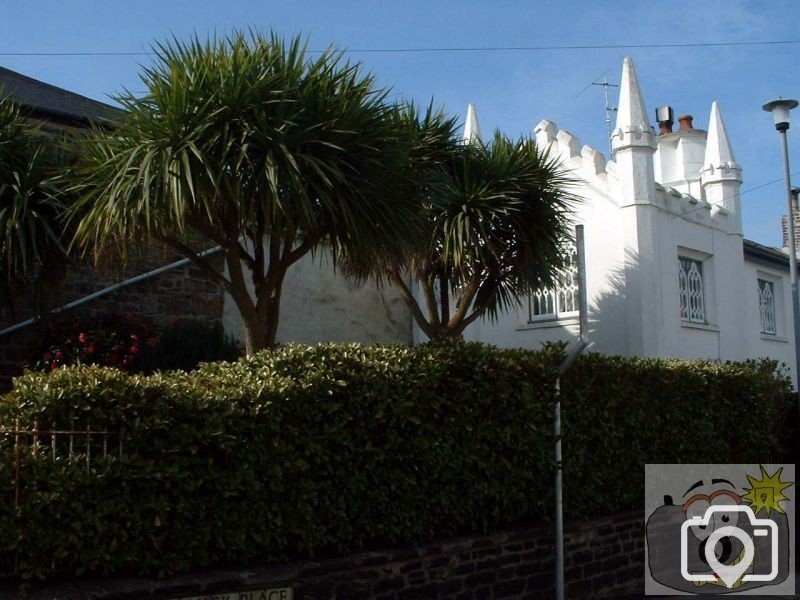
pixel 686 122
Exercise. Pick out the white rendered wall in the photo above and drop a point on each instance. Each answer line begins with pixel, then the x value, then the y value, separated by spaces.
pixel 605 293
pixel 605 262
pixel 781 345
pixel 679 160
pixel 721 256
pixel 731 299
pixel 319 305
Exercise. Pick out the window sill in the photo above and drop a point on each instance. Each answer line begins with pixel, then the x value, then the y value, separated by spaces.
pixel 774 338
pixel 549 323
pixel 701 326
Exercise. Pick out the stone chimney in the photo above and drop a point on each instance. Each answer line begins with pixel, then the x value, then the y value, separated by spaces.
pixel 686 122
pixel 679 158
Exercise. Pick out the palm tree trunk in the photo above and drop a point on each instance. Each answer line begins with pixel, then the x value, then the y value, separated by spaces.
pixel 261 327
pixel 273 313
pixel 254 335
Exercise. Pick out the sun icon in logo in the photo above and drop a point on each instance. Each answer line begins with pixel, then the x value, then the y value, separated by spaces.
pixel 766 493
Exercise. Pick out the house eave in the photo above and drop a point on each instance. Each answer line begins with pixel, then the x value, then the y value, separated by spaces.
pixel 765 255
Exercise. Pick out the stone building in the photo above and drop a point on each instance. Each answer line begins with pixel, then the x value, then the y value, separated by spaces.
pixel 136 287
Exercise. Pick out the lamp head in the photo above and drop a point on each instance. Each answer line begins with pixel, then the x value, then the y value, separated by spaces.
pixel 780 111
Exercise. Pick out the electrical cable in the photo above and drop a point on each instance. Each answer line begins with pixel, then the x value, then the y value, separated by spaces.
pixel 460 49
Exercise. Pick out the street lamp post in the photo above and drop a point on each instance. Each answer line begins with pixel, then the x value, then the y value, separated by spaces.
pixel 780 113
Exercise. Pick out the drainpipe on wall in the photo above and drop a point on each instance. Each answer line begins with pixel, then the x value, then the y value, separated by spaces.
pixel 112 288
pixel 574 350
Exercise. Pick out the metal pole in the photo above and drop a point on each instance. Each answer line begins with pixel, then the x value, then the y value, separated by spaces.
pixel 609 110
pixel 574 350
pixel 792 259
pixel 112 288
pixel 583 302
pixel 559 498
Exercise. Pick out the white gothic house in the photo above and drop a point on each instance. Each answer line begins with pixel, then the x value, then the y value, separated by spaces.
pixel 669 273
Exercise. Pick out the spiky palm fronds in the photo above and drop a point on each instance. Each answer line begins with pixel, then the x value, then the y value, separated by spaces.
pixel 30 234
pixel 243 141
pixel 495 217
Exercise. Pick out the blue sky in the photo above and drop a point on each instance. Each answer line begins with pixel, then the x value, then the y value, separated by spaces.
pixel 513 89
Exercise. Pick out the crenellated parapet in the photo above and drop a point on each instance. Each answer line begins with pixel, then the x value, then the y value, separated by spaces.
pixel 584 162
pixel 682 204
pixel 593 170
pixel 630 177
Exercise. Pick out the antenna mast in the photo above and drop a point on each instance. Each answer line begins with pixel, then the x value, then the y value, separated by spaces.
pixel 609 109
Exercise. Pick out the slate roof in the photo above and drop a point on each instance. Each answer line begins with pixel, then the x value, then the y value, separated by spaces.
pixel 54 103
pixel 766 255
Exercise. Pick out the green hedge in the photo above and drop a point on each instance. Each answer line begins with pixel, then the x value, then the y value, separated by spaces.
pixel 304 449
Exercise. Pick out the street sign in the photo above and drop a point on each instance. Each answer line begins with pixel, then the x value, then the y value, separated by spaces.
pixel 264 594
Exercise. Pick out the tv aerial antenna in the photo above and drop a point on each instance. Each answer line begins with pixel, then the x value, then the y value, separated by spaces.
pixel 609 109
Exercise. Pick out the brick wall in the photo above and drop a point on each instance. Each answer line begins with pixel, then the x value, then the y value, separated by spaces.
pixel 180 293
pixel 604 559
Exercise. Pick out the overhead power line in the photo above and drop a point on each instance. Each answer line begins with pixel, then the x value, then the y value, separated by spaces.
pixel 763 185
pixel 739 195
pixel 460 49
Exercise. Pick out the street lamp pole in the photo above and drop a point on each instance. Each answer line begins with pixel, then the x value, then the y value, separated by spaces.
pixel 780 112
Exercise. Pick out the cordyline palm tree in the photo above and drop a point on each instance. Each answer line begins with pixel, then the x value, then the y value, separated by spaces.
pixel 248 144
pixel 30 235
pixel 495 219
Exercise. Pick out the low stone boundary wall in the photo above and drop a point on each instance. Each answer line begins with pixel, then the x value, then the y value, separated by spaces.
pixel 604 558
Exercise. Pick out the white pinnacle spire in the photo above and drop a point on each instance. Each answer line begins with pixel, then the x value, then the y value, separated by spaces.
pixel 719 153
pixel 631 109
pixel 632 127
pixel 472 129
pixel 721 176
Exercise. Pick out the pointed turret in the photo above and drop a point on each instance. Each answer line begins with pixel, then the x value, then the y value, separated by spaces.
pixel 633 145
pixel 721 176
pixel 632 128
pixel 472 129
pixel 719 162
pixel 633 142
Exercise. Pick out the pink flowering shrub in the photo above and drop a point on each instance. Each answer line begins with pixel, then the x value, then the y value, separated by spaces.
pixel 114 340
pixel 132 344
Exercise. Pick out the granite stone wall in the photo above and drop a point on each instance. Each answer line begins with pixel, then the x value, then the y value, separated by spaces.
pixel 604 559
